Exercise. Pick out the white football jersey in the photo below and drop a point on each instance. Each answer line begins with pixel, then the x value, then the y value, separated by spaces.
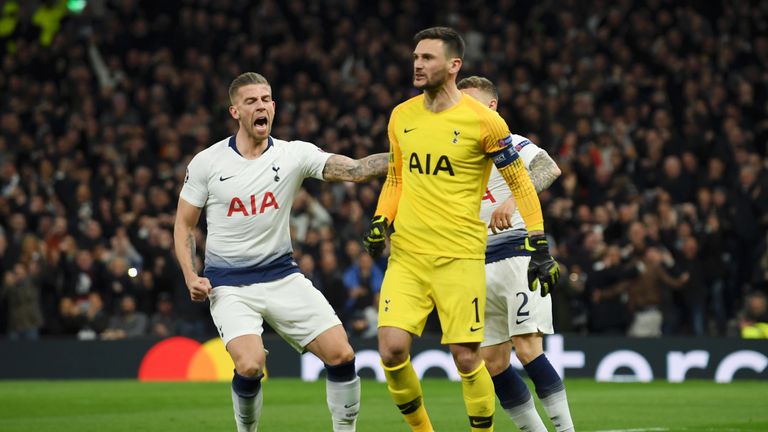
pixel 501 245
pixel 247 207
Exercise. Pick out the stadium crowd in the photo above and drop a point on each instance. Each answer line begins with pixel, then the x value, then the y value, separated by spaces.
pixel 655 112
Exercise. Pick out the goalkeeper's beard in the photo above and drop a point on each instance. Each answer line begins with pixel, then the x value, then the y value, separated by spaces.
pixel 433 84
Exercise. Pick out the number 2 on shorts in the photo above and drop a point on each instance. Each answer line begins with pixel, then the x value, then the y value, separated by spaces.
pixel 520 311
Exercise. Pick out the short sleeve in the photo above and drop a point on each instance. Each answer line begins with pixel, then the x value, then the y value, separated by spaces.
pixel 195 189
pixel 526 148
pixel 311 158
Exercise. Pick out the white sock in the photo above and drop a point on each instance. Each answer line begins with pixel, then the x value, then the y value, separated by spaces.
pixel 344 403
pixel 247 411
pixel 556 406
pixel 526 418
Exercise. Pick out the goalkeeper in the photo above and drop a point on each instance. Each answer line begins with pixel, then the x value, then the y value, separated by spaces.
pixel 440 145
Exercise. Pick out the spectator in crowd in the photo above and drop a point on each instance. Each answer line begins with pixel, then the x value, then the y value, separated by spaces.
pixel 307 214
pixel 569 309
pixel 330 281
pixel 647 290
pixel 21 285
pixel 307 267
pixel 608 312
pixel 84 275
pixel 760 277
pixel 128 322
pixel 752 321
pixel 85 319
pixel 119 282
pixel 362 280
pixel 693 287
pixel 163 321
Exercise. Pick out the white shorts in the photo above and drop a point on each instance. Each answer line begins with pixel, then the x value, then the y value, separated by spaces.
pixel 512 309
pixel 291 305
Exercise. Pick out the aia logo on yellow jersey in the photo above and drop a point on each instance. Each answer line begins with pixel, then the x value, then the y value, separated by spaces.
pixel 443 164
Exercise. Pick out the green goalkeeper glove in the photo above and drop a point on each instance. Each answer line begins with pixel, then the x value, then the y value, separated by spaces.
pixel 376 235
pixel 543 270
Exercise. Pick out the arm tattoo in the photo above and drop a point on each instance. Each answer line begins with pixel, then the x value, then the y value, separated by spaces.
pixel 376 165
pixel 192 249
pixel 342 168
pixel 543 171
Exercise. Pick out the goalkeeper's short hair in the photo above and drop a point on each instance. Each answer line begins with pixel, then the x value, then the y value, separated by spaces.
pixel 452 40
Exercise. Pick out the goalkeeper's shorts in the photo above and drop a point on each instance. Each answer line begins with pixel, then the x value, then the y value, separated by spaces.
pixel 414 284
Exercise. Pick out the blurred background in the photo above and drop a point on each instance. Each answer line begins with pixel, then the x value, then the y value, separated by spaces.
pixel 655 111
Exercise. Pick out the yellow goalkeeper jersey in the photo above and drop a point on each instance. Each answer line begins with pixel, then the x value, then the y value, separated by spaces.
pixel 439 167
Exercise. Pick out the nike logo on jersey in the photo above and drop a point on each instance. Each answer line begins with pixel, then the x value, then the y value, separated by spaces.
pixel 472 329
pixel 350 405
pixel 222 178
pixel 406 130
pixel 521 321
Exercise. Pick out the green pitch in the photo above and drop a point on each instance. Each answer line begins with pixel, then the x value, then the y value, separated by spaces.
pixel 291 405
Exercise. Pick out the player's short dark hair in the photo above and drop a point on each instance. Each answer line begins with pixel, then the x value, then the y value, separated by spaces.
pixel 480 83
pixel 454 44
pixel 243 80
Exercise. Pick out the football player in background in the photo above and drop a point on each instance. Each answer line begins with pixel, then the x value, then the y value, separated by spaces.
pixel 247 183
pixel 513 315
pixel 440 145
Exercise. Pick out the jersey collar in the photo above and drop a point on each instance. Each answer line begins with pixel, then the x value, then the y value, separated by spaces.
pixel 233 144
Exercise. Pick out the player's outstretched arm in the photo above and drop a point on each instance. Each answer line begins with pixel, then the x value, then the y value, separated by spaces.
pixel 343 168
pixel 185 246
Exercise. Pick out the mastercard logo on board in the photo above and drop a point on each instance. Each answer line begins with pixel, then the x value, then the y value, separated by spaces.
pixel 184 359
